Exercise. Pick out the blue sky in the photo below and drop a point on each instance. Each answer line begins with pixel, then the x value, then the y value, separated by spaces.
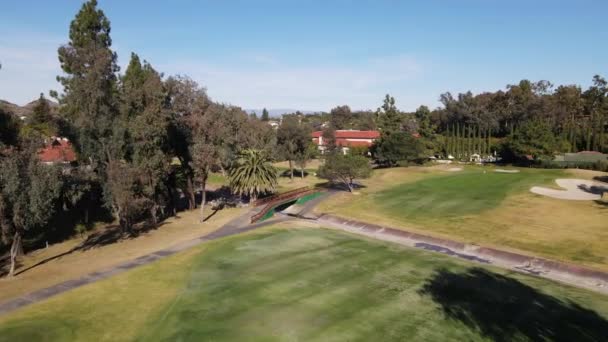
pixel 314 55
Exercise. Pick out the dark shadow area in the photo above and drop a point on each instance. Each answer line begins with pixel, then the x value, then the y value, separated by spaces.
pixel 109 235
pixel 596 190
pixel 603 203
pixel 601 179
pixel 285 205
pixel 5 264
pixel 296 173
pixel 504 309
pixel 211 215
pixel 343 187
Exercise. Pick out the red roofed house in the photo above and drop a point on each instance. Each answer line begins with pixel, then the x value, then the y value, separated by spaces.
pixel 347 138
pixel 57 151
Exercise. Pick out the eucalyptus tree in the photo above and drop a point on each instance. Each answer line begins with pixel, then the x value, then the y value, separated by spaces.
pixel 293 140
pixel 340 117
pixel 29 192
pixel 187 103
pixel 208 133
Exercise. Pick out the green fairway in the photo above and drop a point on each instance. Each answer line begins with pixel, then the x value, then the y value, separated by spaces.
pixel 457 194
pixel 480 206
pixel 313 284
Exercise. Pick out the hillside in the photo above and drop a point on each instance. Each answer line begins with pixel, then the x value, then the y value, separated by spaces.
pixel 25 111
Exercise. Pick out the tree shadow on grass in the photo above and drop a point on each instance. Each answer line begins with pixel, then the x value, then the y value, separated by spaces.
pixel 601 178
pixel 504 309
pixel 109 235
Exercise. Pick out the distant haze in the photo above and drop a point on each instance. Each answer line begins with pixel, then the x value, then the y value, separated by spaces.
pixel 275 113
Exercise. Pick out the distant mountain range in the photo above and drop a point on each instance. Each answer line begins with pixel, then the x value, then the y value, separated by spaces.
pixel 275 113
pixel 24 111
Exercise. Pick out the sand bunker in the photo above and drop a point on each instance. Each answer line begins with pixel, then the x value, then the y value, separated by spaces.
pixel 454 169
pixel 506 171
pixel 574 189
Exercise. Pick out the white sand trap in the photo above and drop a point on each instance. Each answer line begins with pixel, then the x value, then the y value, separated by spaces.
pixel 574 189
pixel 454 169
pixel 506 171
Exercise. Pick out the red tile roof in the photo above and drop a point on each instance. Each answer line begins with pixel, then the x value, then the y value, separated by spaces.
pixel 351 134
pixel 59 150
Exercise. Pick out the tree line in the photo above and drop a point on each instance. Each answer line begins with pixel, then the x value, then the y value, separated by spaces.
pixel 146 143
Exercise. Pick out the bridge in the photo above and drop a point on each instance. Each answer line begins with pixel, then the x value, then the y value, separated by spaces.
pixel 272 202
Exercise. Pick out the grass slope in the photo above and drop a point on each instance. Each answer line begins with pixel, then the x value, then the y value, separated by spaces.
pixel 314 284
pixel 480 206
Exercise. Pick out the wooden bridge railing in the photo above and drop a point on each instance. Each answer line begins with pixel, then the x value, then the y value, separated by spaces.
pixel 272 201
pixel 283 194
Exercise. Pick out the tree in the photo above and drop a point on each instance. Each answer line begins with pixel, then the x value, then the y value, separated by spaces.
pixel 28 195
pixel 252 174
pixel 532 138
pixel 41 113
pixel 388 116
pixel 265 116
pixel 208 137
pixel 340 117
pixel 345 168
pixel 9 129
pixel 147 122
pixel 306 155
pixel 397 147
pixel 293 139
pixel 329 140
pixel 188 102
pixel 89 83
pixel 426 129
pixel 123 188
pixel 41 123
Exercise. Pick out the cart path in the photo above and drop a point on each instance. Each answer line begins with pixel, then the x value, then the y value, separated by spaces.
pixel 235 226
pixel 573 275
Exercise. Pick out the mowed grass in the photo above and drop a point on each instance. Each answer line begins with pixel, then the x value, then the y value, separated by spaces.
pixel 483 207
pixel 470 192
pixel 314 285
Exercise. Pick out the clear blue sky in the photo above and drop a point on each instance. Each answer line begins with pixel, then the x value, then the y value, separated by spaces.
pixel 313 55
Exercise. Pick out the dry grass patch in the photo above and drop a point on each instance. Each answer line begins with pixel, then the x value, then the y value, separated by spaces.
pixel 72 265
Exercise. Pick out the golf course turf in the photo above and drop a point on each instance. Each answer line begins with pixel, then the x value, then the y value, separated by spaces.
pixel 313 284
pixel 483 207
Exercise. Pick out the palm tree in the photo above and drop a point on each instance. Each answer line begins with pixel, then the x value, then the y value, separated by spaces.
pixel 252 174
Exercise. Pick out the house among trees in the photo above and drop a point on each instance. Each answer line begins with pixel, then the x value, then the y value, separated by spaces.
pixel 274 123
pixel 57 151
pixel 346 139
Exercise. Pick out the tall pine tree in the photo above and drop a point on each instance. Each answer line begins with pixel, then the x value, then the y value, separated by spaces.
pixel 89 82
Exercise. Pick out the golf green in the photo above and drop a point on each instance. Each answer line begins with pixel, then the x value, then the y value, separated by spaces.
pixel 457 194
pixel 314 285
